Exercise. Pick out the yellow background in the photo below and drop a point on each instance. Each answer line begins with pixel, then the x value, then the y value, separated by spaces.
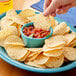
pixel 5 6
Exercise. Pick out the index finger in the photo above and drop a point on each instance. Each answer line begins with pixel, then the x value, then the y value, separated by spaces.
pixel 46 4
pixel 51 8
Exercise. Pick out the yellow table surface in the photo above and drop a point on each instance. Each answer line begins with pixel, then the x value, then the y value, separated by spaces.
pixel 9 70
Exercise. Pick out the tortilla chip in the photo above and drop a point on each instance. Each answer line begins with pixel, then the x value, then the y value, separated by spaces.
pixel 55 41
pixel 11 13
pixel 19 20
pixel 10 30
pixel 33 56
pixel 5 32
pixel 60 29
pixel 70 53
pixel 73 43
pixel 41 59
pixel 35 65
pixel 53 53
pixel 27 13
pixel 2 43
pixel 25 57
pixel 55 62
pixel 17 52
pixel 68 30
pixel 18 26
pixel 43 22
pixel 46 48
pixel 6 22
pixel 14 40
pixel 69 38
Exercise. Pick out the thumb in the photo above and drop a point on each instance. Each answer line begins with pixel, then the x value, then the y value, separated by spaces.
pixel 51 8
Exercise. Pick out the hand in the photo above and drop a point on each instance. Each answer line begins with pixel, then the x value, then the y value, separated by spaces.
pixel 51 7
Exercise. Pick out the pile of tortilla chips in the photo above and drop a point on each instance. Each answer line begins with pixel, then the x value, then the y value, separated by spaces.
pixel 56 50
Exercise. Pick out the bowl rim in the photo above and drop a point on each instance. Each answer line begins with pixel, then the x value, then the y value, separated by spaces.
pixel 31 23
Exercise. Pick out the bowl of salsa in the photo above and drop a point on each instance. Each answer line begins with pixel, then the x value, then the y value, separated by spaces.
pixel 34 37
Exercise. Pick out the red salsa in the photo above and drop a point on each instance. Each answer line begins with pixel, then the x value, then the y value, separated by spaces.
pixel 32 32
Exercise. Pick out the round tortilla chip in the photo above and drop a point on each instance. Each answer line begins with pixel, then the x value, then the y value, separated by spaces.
pixel 43 22
pixel 18 19
pixel 60 29
pixel 34 52
pixel 35 65
pixel 14 40
pixel 33 56
pixel 55 62
pixel 11 13
pixel 25 57
pixel 69 38
pixel 41 59
pixel 17 52
pixel 9 30
pixel 6 22
pixel 53 53
pixel 27 13
pixel 70 53
pixel 55 41
pixel 46 48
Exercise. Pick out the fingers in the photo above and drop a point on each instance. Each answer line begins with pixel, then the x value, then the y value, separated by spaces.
pixel 46 4
pixel 51 8
pixel 63 10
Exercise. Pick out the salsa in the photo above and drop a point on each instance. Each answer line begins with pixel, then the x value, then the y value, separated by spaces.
pixel 32 32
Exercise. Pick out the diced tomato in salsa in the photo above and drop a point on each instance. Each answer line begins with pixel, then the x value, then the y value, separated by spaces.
pixel 37 33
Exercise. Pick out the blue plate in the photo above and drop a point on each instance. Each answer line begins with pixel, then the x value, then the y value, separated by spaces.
pixel 5 57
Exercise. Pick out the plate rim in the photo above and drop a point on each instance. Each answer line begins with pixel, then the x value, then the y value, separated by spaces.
pixel 33 69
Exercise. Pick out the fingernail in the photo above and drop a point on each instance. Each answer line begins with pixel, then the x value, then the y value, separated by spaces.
pixel 45 14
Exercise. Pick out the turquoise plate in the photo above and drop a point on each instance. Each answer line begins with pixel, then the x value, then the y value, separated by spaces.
pixel 6 58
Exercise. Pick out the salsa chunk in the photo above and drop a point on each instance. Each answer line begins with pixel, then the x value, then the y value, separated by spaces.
pixel 32 32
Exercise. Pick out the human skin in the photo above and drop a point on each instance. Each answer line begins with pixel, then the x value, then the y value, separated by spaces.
pixel 51 7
